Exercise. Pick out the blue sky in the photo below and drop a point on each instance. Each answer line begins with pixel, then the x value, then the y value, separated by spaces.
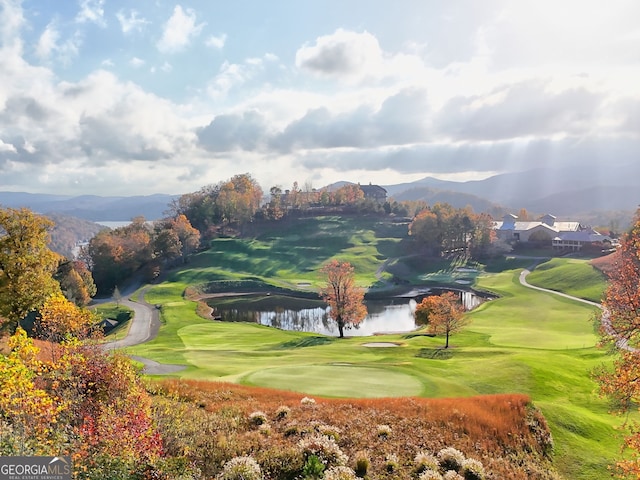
pixel 121 98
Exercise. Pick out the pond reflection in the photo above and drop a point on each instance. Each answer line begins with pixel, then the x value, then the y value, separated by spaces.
pixel 306 315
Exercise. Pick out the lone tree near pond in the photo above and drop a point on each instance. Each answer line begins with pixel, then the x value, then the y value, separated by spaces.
pixel 444 314
pixel 345 299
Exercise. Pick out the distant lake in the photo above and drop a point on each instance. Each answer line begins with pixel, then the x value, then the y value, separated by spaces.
pixel 113 225
pixel 305 315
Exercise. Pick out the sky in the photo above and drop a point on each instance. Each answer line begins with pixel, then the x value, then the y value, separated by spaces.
pixel 113 97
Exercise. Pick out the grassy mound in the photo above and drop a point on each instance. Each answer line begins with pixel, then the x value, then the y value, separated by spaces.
pixel 569 275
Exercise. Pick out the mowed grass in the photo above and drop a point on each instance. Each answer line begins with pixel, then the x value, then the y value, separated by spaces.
pixel 525 341
pixel 576 277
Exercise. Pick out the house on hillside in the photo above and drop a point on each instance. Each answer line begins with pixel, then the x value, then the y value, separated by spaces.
pixel 562 236
pixel 374 192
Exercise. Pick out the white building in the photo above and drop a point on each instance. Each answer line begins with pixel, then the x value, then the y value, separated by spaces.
pixel 547 231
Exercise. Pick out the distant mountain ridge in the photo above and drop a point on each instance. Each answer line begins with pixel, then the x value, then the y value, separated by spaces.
pixel 561 191
pixel 91 207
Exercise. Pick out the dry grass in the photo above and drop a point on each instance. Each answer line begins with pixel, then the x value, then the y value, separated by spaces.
pixel 505 432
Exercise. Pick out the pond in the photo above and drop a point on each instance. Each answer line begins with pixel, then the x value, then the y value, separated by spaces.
pixel 306 315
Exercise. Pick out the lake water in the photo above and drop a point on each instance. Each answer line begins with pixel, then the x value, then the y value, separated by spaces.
pixel 288 313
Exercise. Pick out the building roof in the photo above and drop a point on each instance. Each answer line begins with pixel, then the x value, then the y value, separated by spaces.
pixel 589 236
pixel 525 226
pixel 373 190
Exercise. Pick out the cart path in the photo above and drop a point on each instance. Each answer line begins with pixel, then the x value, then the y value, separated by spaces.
pixel 621 342
pixel 144 327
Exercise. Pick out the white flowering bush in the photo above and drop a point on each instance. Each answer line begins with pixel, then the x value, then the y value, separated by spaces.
pixel 384 431
pixel 450 459
pixel 473 469
pixel 307 401
pixel 339 473
pixel 430 475
pixel 451 475
pixel 241 468
pixel 258 417
pixel 282 412
pixel 425 461
pixel 323 447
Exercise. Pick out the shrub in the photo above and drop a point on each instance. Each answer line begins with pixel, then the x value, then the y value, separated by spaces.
pixel 323 447
pixel 450 459
pixel 362 464
pixel 425 461
pixel 430 475
pixel 292 429
pixel 339 473
pixel 313 467
pixel 384 431
pixel 258 418
pixel 329 431
pixel 283 463
pixel 307 401
pixel 473 469
pixel 451 475
pixel 241 468
pixel 391 463
pixel 282 412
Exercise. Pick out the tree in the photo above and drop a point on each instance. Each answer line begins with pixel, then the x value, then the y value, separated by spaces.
pixel 59 319
pixel 27 265
pixel 620 324
pixel 444 314
pixel 344 298
pixel 76 282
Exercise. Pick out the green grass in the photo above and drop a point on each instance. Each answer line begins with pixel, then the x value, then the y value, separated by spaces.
pixel 116 312
pixel 573 276
pixel 526 341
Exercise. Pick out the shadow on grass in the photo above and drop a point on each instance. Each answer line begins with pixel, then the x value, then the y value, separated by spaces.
pixel 304 342
pixel 435 353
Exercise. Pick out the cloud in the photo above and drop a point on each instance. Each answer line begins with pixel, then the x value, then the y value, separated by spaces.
pixel 131 21
pixel 343 54
pixel 136 62
pixel 402 118
pixel 232 75
pixel 524 109
pixel 48 41
pixel 91 11
pixel 179 30
pixel 230 132
pixel 216 42
pixel 7 147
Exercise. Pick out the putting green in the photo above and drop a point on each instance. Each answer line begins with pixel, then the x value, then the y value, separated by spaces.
pixel 338 381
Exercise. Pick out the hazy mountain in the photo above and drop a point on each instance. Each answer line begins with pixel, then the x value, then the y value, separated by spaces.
pixel 455 199
pixel 91 207
pixel 557 191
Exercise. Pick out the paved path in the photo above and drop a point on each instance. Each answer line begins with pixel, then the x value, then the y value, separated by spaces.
pixel 145 325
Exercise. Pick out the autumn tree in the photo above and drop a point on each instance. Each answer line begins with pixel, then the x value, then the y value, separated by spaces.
pixel 345 299
pixel 59 319
pixel 27 265
pixel 620 324
pixel 76 281
pixel 443 314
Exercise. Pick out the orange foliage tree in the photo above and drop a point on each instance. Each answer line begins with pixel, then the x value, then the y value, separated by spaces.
pixel 444 314
pixel 620 324
pixel 344 298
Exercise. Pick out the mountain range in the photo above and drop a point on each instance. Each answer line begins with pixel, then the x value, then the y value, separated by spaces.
pixel 560 191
